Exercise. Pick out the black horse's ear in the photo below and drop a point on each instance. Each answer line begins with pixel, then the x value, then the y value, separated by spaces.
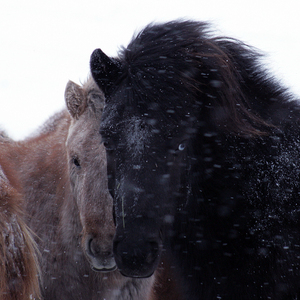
pixel 105 70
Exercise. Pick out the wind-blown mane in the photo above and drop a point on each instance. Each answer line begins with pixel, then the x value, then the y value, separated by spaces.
pixel 225 72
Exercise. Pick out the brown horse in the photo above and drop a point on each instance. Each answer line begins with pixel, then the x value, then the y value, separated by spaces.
pixel 62 170
pixel 18 261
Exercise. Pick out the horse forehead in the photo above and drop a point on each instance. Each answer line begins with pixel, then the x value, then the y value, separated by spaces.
pixel 135 125
pixel 83 131
pixel 75 133
pixel 136 135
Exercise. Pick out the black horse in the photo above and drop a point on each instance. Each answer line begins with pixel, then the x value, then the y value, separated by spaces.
pixel 203 154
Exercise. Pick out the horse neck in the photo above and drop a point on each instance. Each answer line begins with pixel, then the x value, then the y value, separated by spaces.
pixel 41 164
pixel 43 156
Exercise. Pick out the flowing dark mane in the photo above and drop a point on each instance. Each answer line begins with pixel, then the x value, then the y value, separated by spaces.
pixel 224 73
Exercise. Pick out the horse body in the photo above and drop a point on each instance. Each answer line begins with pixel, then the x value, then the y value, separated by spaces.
pixel 62 170
pixel 203 160
pixel 18 255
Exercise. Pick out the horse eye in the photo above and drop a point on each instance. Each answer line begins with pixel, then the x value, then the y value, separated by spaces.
pixel 76 162
pixel 181 146
pixel 108 145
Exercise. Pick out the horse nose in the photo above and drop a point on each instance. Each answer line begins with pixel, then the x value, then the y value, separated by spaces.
pixel 95 250
pixel 137 260
pixel 100 256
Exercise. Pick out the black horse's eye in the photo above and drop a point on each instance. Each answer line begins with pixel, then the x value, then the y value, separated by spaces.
pixel 108 144
pixel 181 146
pixel 76 162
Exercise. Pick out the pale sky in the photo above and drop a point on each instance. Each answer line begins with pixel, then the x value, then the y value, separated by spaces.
pixel 43 44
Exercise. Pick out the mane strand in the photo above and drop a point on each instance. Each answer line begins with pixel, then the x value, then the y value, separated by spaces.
pixel 183 60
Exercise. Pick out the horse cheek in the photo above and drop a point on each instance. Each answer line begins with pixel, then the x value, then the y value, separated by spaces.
pixel 77 186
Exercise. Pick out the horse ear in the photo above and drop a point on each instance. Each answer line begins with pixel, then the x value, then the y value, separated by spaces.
pixel 75 99
pixel 105 70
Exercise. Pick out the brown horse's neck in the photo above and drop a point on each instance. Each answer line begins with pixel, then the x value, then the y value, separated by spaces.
pixel 40 163
pixel 42 157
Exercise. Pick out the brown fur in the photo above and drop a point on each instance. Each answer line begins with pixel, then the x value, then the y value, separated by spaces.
pixel 67 206
pixel 18 261
pixel 166 285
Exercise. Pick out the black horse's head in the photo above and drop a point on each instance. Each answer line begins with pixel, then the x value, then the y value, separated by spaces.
pixel 172 87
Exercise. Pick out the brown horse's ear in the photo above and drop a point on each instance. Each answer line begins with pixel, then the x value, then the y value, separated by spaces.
pixel 75 99
pixel 105 70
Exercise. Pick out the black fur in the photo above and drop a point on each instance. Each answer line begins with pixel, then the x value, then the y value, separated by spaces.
pixel 228 203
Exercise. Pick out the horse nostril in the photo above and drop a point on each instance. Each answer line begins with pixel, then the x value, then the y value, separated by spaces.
pixel 137 255
pixel 136 259
pixel 93 248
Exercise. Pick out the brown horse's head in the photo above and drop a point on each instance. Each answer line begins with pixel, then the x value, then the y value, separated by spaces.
pixel 87 168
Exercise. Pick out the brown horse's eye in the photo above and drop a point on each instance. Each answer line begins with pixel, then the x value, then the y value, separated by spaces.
pixel 76 162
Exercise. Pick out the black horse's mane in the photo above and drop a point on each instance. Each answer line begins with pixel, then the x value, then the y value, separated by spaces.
pixel 181 64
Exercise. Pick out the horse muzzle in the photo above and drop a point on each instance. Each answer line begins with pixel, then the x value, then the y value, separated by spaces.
pixel 101 259
pixel 138 259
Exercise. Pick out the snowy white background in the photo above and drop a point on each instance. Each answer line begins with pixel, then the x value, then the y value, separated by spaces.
pixel 43 44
